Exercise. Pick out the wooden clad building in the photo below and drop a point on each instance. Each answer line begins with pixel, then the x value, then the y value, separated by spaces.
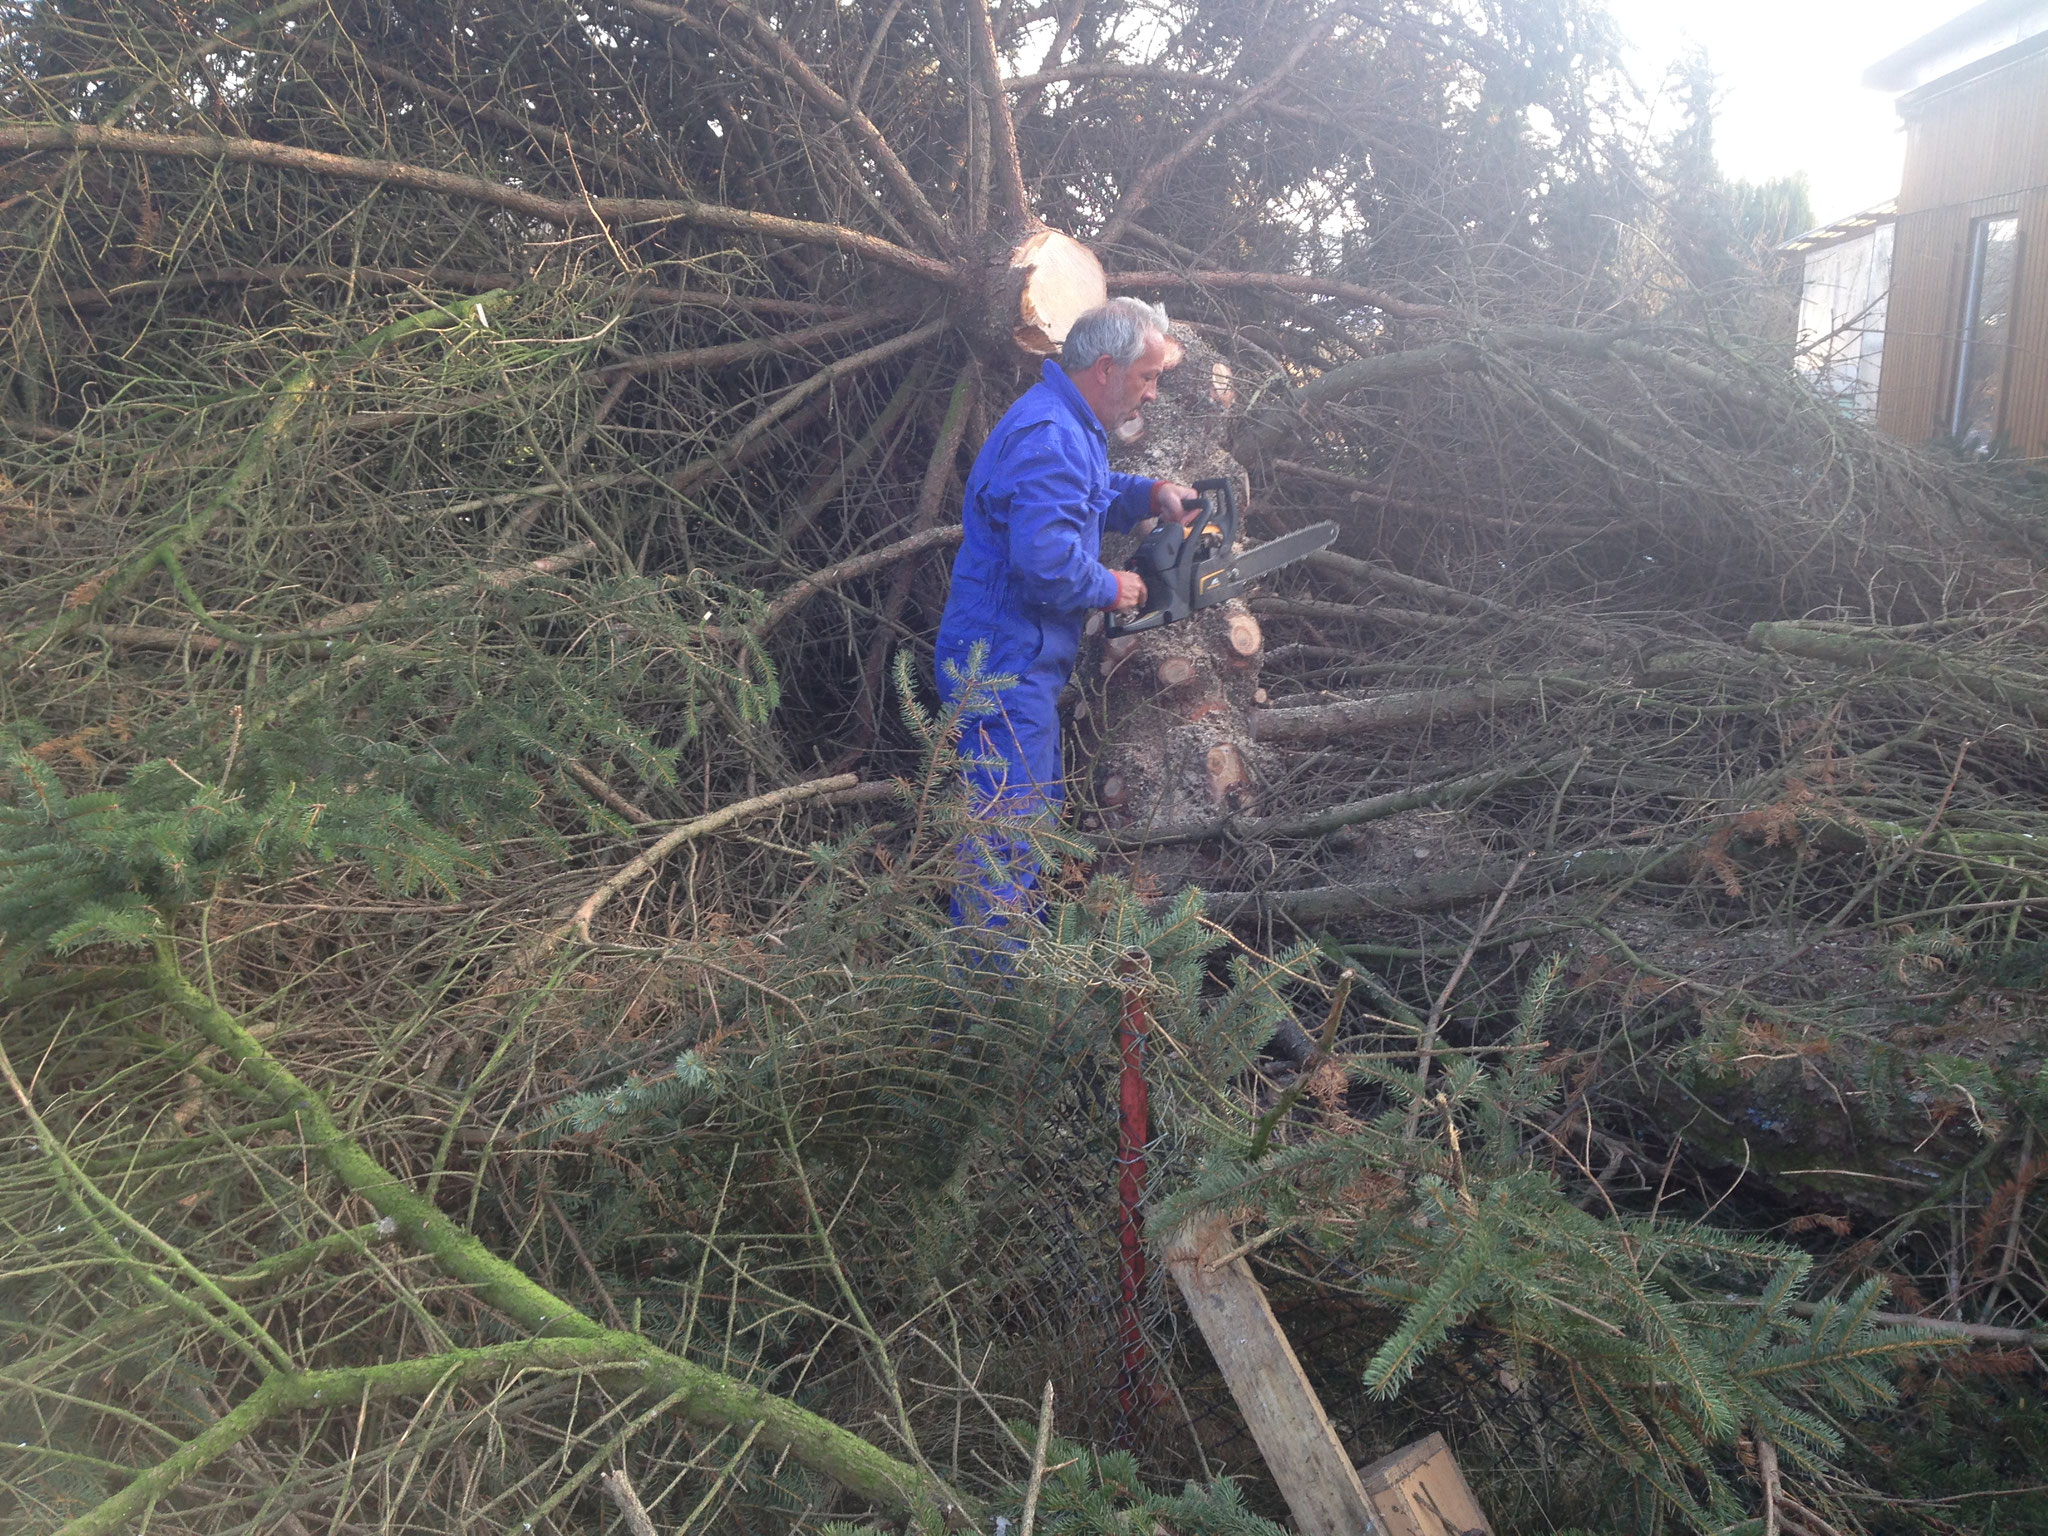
pixel 1966 328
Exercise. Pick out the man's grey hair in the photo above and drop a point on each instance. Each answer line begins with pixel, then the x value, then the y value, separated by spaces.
pixel 1117 330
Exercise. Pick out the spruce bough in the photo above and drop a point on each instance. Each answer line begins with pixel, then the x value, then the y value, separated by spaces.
pixel 705 1396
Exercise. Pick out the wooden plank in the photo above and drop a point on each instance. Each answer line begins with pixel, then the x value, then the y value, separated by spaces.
pixel 1420 1491
pixel 1307 1461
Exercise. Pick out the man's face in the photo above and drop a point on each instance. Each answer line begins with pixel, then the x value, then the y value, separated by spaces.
pixel 1129 388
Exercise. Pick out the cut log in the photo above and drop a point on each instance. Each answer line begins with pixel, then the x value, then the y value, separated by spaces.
pixel 1302 1452
pixel 1058 280
pixel 1322 723
pixel 1176 672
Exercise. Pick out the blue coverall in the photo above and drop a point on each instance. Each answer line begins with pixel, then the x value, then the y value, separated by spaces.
pixel 1039 498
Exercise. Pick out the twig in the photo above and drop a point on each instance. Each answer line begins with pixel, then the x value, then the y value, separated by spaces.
pixel 611 1310
pixel 1251 1245
pixel 1264 1134
pixel 604 791
pixel 620 1487
pixel 851 569
pixel 1426 1050
pixel 1037 1463
pixel 578 921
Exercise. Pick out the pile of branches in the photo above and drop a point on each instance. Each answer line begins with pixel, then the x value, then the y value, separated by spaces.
pixel 475 490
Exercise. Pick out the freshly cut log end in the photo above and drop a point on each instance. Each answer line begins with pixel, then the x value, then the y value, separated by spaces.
pixel 1176 672
pixel 1062 280
pixel 1229 779
pixel 1245 636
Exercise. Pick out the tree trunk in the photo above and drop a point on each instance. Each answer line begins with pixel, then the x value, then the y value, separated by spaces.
pixel 1178 746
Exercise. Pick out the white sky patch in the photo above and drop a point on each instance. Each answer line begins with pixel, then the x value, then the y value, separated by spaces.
pixel 1792 96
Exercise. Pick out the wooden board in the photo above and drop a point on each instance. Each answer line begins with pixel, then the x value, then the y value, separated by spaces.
pixel 1301 1450
pixel 1419 1491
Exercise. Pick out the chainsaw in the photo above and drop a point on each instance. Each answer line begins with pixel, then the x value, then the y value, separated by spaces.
pixel 1187 569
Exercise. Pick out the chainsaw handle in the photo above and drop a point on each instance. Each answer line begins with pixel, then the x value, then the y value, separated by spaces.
pixel 1118 628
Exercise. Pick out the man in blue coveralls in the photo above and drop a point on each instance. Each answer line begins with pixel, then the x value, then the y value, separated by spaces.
pixel 1039 499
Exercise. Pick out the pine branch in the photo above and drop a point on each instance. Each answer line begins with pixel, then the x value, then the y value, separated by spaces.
pixel 1456 791
pixel 708 1397
pixel 293 394
pixel 344 620
pixel 1314 725
pixel 699 470
pixel 287 1392
pixel 728 353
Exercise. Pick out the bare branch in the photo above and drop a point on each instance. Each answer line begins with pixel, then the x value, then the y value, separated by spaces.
pixel 1002 129
pixel 1153 177
pixel 1063 33
pixel 849 570
pixel 745 351
pixel 1284 282
pixel 610 211
pixel 806 79
pixel 698 470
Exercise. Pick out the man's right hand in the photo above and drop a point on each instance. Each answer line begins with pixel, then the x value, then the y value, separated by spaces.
pixel 1130 592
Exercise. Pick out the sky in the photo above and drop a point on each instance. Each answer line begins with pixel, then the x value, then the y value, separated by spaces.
pixel 1790 76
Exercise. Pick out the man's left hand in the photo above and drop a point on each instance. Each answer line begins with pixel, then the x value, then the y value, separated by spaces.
pixel 1173 502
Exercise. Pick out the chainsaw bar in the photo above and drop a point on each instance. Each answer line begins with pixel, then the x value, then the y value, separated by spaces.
pixel 1187 569
pixel 1285 550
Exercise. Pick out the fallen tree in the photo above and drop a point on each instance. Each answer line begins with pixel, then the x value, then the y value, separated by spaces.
pixel 464 481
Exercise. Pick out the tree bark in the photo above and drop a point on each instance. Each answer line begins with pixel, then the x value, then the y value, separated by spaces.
pixel 1178 747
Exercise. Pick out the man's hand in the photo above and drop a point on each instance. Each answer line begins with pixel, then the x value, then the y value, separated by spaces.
pixel 1173 502
pixel 1130 592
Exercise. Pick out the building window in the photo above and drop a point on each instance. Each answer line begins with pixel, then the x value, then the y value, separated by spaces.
pixel 1992 271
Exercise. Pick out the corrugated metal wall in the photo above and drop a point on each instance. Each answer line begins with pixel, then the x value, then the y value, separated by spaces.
pixel 1975 151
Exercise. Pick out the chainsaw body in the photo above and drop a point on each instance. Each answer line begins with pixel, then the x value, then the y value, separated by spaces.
pixel 1187 568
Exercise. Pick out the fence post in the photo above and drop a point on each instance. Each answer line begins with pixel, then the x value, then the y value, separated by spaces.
pixel 1134 969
